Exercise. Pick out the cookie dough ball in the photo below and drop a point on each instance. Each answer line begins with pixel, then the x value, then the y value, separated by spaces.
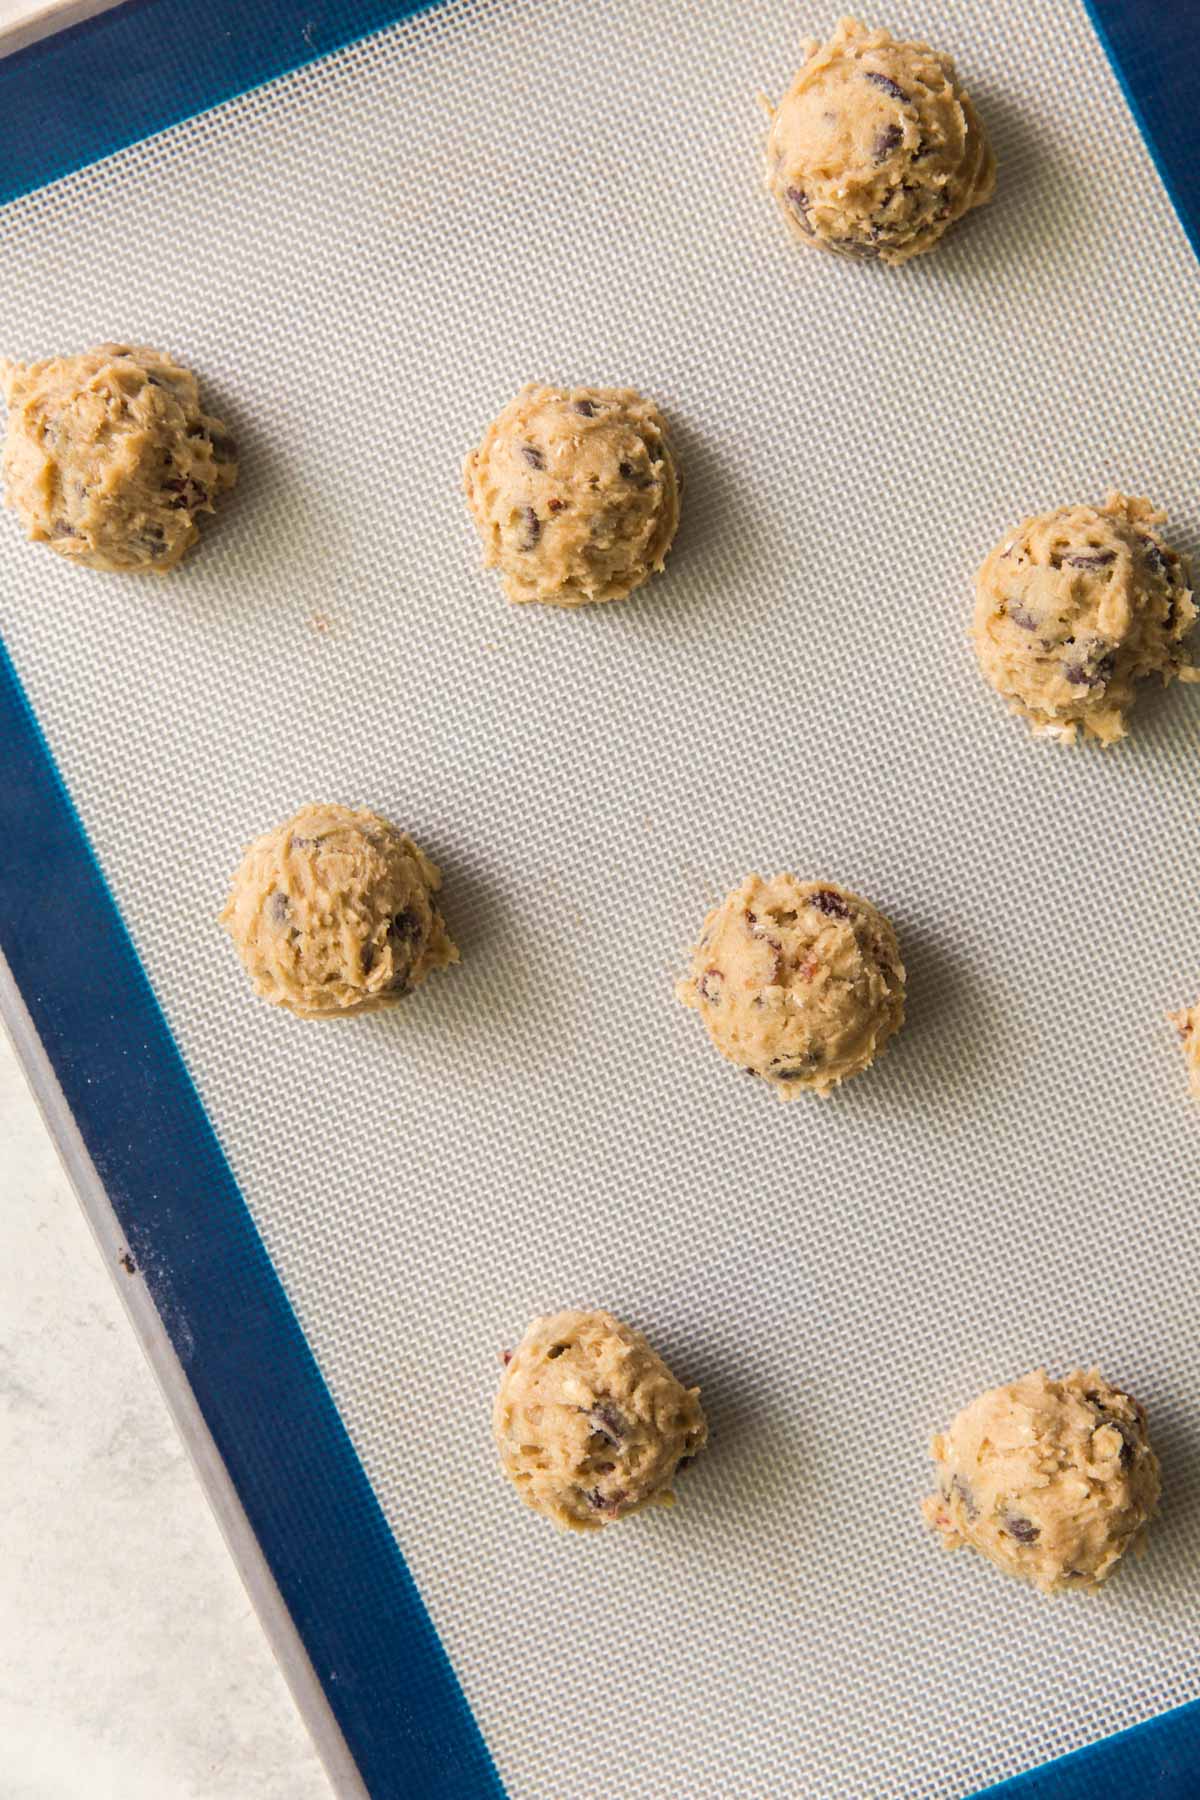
pixel 575 494
pixel 590 1423
pixel 333 912
pixel 1188 1023
pixel 108 457
pixel 876 148
pixel 1051 1480
pixel 1074 607
pixel 800 982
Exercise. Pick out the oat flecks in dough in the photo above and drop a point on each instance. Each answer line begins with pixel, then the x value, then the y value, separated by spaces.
pixel 876 148
pixel 1076 606
pixel 590 1423
pixel 333 912
pixel 1187 1022
pixel 575 493
pixel 1053 1481
pixel 799 982
pixel 108 457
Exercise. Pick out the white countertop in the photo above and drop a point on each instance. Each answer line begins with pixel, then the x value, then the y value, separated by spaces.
pixel 131 1664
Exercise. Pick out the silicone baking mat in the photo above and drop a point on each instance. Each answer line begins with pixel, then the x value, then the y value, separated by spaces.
pixel 343 1225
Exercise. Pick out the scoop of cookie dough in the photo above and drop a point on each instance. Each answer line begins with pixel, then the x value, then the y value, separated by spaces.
pixel 333 912
pixel 108 457
pixel 1074 607
pixel 800 982
pixel 1188 1023
pixel 876 148
pixel 1051 1480
pixel 575 494
pixel 590 1423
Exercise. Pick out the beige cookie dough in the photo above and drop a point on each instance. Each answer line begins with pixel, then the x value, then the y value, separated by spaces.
pixel 1053 1481
pixel 333 912
pixel 1074 607
pixel 108 457
pixel 799 982
pixel 590 1423
pixel 1187 1023
pixel 575 494
pixel 876 148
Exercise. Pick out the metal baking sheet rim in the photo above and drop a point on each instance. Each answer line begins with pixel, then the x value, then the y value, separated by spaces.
pixel 42 18
pixel 76 48
pixel 151 1333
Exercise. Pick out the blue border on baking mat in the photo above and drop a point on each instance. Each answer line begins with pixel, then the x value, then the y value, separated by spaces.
pixel 1157 1760
pixel 65 102
pixel 115 79
pixel 189 1232
pixel 1154 49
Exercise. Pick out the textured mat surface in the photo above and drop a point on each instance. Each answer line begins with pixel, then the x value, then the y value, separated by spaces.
pixel 363 261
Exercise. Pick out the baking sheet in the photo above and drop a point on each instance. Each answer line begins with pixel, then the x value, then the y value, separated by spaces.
pixel 26 21
pixel 363 261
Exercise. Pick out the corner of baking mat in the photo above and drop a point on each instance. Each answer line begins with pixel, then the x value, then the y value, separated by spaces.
pixel 146 65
